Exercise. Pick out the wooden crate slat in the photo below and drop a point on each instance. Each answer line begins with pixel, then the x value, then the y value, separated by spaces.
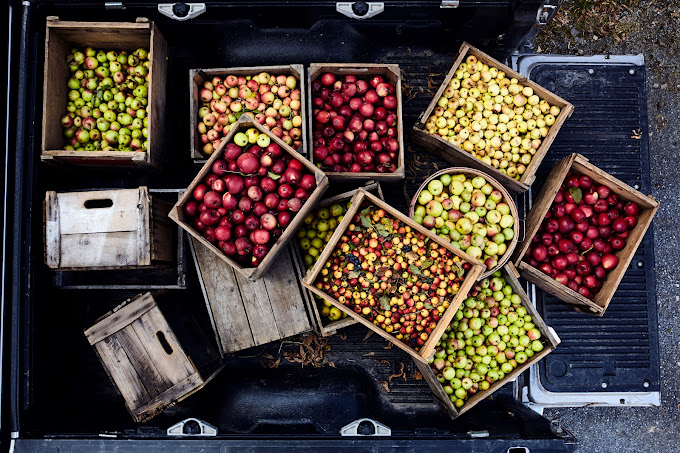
pixel 258 310
pixel 174 366
pixel 52 233
pixel 113 322
pixel 168 398
pixel 288 307
pixel 76 218
pixel 223 300
pixel 99 249
pixel 143 228
pixel 122 372
pixel 148 374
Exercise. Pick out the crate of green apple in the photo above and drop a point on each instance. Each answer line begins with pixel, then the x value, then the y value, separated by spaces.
pixel 355 124
pixel 312 237
pixel 471 210
pixel 495 336
pixel 249 198
pixel 272 95
pixel 392 275
pixel 103 102
pixel 582 234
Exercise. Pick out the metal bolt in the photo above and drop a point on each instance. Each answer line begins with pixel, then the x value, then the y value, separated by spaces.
pixel 640 264
pixel 636 186
pixel 645 384
pixel 591 71
pixel 631 71
pixel 604 385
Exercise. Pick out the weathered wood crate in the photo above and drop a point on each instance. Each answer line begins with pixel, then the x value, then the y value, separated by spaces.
pixel 579 164
pixel 456 155
pixel 328 328
pixel 473 273
pixel 253 273
pixel 145 360
pixel 550 339
pixel 107 229
pixel 198 76
pixel 60 37
pixel 392 74
pixel 244 313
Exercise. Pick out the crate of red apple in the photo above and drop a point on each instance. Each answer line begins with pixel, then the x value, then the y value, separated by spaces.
pixel 272 95
pixel 355 124
pixel 582 233
pixel 495 335
pixel 392 275
pixel 249 198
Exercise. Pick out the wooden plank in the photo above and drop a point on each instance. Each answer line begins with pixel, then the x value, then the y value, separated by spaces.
pixel 428 348
pixel 177 214
pixel 76 217
pixel 223 300
pixel 168 398
pixel 284 296
pixel 258 309
pixel 114 321
pixel 122 372
pixel 55 75
pixel 174 366
pixel 455 154
pixel 52 233
pixel 391 73
pixel 158 52
pixel 198 76
pixel 98 250
pixel 163 231
pixel 148 375
pixel 143 227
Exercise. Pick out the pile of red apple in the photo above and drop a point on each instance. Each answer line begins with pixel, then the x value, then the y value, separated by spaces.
pixel 581 233
pixel 248 199
pixel 355 124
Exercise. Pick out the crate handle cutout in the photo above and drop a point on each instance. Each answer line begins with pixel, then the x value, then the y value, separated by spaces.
pixel 164 342
pixel 98 203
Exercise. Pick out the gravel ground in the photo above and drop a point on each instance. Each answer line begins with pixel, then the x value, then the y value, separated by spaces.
pixel 651 28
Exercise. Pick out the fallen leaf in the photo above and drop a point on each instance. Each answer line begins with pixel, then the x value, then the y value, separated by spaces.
pixel 385 386
pixel 401 373
pixel 368 335
pixel 331 364
pixel 389 345
pixel 342 336
pixel 417 376
pixel 369 354
pixel 384 362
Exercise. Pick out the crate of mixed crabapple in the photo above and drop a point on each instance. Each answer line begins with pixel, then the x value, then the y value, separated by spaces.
pixel 392 275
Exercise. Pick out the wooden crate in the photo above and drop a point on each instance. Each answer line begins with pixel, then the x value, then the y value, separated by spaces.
pixel 551 340
pixel 145 360
pixel 648 206
pixel 392 74
pixel 244 313
pixel 198 76
pixel 60 37
pixel 427 349
pixel 506 198
pixel 331 328
pixel 253 273
pixel 456 155
pixel 107 229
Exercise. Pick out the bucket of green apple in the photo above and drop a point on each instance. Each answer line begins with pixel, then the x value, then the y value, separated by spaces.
pixel 471 210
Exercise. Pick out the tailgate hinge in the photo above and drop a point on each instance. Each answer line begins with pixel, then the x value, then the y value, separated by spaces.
pixel 181 11
pixel 192 427
pixel 546 12
pixel 360 10
pixel 365 427
pixel 450 4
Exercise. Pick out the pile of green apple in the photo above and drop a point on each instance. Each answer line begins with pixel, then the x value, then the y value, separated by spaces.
pixel 468 212
pixel 312 237
pixel 490 336
pixel 107 100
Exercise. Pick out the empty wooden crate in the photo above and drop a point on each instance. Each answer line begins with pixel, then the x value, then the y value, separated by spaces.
pixel 107 229
pixel 145 360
